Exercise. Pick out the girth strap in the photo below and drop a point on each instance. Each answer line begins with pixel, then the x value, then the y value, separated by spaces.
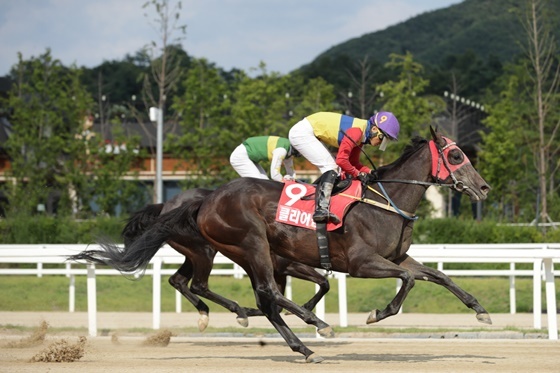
pixel 323 243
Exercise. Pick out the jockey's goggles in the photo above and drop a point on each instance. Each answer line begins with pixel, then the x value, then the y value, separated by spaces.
pixel 384 139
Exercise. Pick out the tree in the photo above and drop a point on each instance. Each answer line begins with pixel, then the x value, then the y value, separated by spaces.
pixel 218 112
pixel 121 80
pixel 111 163
pixel 317 95
pixel 472 74
pixel 505 157
pixel 165 61
pixel 414 110
pixel 49 108
pixel 362 92
pixel 544 71
pixel 404 98
pixel 165 68
pixel 260 104
pixel 59 165
pixel 205 123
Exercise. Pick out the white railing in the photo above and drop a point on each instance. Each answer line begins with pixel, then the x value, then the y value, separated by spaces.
pixel 541 256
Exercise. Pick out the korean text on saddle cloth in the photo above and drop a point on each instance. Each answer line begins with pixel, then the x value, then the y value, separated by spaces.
pixel 294 209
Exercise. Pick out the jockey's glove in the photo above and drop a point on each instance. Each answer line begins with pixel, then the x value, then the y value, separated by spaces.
pixel 367 178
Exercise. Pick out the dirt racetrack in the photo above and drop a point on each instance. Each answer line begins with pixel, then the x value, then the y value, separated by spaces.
pixel 496 349
pixel 272 355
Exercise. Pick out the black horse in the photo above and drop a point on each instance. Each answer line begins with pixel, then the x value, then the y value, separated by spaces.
pixel 199 259
pixel 239 220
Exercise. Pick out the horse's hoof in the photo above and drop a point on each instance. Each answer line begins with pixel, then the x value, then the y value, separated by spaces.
pixel 372 318
pixel 484 318
pixel 243 321
pixel 203 322
pixel 326 332
pixel 314 358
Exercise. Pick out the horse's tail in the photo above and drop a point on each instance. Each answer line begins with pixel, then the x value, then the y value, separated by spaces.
pixel 136 257
pixel 139 221
pixel 181 222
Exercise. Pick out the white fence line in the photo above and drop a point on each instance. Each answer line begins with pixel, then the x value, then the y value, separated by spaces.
pixel 542 257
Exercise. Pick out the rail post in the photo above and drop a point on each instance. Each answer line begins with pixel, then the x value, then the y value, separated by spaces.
pixel 156 301
pixel 92 300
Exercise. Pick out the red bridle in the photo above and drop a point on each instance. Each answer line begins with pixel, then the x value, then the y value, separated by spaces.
pixel 439 156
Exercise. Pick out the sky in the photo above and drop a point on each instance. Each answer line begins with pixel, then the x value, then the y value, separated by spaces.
pixel 284 34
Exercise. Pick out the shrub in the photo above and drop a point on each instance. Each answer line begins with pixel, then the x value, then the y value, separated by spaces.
pixel 44 229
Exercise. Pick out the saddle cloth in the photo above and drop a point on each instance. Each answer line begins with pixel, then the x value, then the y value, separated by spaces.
pixel 294 209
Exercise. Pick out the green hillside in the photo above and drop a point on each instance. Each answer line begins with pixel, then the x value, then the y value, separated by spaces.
pixel 487 27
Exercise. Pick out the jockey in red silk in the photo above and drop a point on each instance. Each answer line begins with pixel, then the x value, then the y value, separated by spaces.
pixel 246 157
pixel 346 133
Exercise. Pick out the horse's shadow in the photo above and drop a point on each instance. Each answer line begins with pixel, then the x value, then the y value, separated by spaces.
pixel 380 358
pixel 329 359
pixel 410 358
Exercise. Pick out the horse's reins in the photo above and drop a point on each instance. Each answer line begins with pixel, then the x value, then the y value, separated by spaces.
pixel 390 206
pixel 458 185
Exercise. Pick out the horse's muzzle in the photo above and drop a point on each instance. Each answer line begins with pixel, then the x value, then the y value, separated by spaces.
pixel 476 194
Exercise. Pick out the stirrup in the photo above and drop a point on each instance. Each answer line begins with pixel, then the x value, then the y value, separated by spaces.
pixel 333 218
pixel 322 216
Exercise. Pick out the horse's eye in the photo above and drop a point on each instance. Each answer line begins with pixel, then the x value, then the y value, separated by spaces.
pixel 455 156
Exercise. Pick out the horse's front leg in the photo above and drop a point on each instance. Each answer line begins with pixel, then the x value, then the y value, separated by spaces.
pixel 421 272
pixel 375 266
pixel 307 273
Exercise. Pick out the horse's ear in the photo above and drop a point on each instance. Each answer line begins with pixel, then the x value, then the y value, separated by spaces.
pixel 437 136
pixel 433 132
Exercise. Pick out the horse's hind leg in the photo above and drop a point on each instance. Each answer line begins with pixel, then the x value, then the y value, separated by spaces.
pixel 204 257
pixel 197 266
pixel 201 254
pixel 421 272
pixel 180 281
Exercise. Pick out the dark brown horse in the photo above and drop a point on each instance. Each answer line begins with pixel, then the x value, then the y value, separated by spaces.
pixel 239 220
pixel 199 259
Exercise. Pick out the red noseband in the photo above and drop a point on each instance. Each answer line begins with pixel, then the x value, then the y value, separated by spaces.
pixel 439 156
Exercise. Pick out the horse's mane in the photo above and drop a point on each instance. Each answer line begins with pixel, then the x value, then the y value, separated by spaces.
pixel 416 143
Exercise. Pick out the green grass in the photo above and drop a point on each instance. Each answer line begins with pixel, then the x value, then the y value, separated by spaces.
pixel 116 293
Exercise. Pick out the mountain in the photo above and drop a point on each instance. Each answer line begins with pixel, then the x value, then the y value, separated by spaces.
pixel 486 27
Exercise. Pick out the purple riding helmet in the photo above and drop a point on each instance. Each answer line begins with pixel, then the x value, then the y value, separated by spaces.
pixel 388 125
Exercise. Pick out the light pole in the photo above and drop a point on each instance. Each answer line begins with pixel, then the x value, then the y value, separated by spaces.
pixel 156 115
pixel 289 113
pixel 349 110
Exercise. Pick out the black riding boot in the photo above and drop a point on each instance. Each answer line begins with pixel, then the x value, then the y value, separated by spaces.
pixel 323 199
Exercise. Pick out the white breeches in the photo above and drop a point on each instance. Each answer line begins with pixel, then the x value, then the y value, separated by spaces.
pixel 302 138
pixel 245 167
